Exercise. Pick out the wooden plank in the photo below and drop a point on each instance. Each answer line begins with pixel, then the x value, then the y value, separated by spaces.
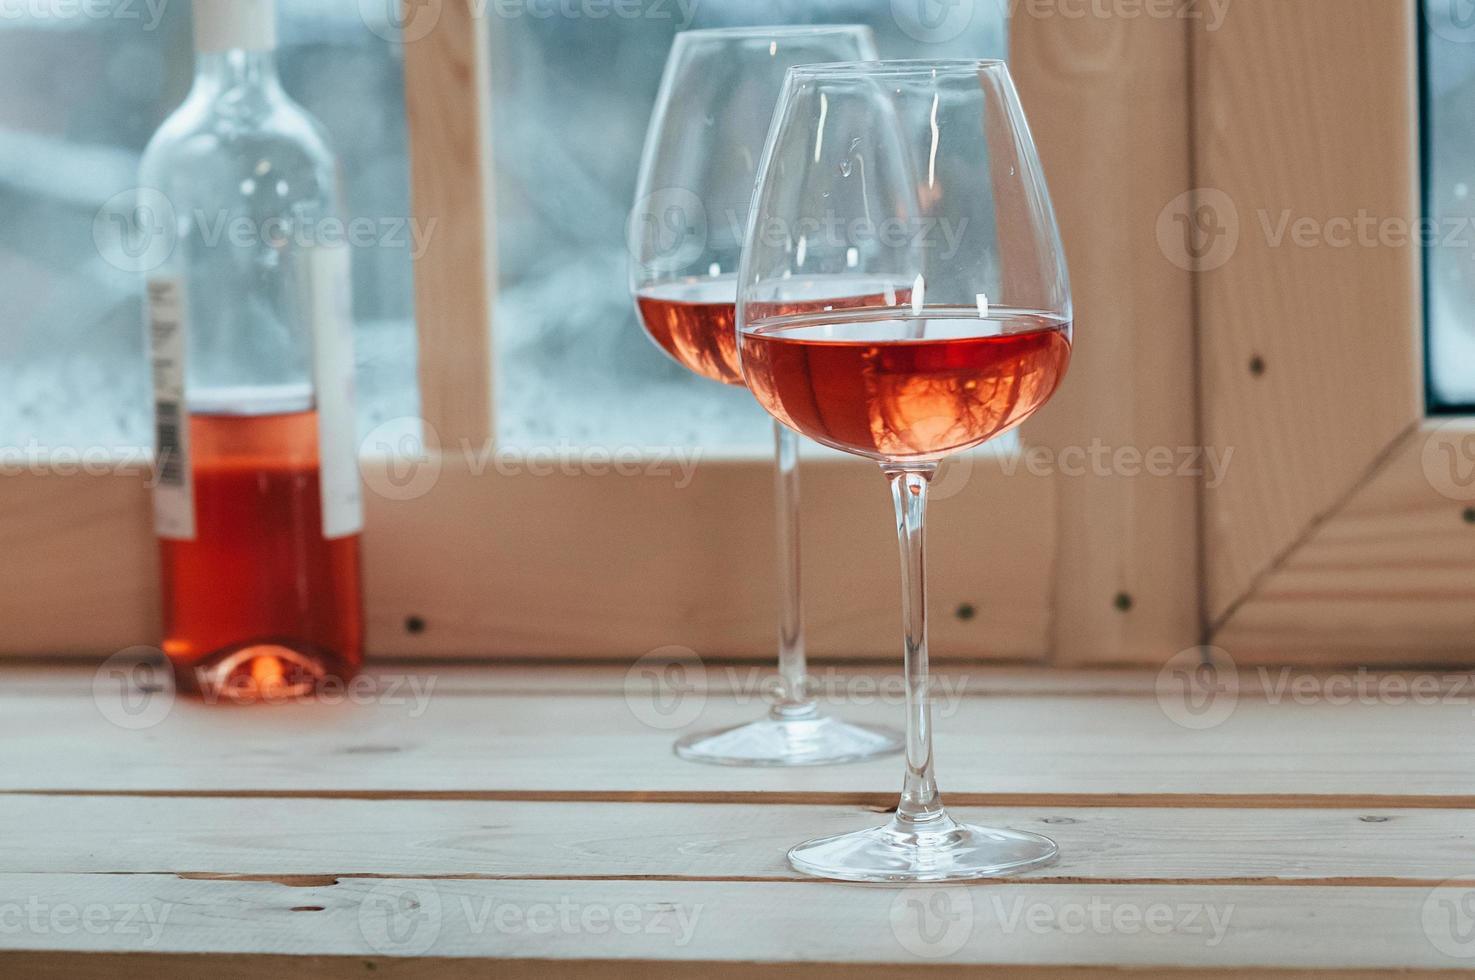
pixel 681 554
pixel 745 680
pixel 108 966
pixel 1311 364
pixel 1108 102
pixel 453 838
pixel 669 923
pixel 448 125
pixel 1385 750
pixel 81 570
pixel 575 561
pixel 1390 577
pixel 721 678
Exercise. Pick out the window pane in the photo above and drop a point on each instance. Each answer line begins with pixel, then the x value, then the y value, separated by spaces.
pixel 1450 200
pixel 86 86
pixel 571 97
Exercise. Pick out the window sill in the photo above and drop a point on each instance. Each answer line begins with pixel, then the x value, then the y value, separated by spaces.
pixel 276 837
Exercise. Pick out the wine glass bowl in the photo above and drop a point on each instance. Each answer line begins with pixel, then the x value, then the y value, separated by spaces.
pixel 686 238
pixel 902 386
pixel 921 180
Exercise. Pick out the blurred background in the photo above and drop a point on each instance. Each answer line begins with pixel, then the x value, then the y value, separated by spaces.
pixel 1449 159
pixel 89 83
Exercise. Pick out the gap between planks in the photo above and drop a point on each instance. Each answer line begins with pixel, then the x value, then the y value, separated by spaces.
pixel 876 802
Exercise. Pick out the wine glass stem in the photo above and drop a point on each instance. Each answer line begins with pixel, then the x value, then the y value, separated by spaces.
pixel 920 806
pixel 793 700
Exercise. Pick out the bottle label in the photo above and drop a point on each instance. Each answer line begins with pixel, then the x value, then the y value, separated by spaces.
pixel 332 362
pixel 174 505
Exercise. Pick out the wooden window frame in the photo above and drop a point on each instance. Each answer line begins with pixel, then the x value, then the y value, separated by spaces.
pixel 1334 539
pixel 1325 542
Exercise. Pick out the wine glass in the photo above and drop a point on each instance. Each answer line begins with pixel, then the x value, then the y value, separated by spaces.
pixel 921 177
pixel 696 181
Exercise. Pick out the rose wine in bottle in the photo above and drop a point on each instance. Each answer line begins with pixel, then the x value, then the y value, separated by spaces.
pixel 256 496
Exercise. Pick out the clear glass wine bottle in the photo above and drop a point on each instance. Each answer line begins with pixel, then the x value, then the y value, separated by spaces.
pixel 256 492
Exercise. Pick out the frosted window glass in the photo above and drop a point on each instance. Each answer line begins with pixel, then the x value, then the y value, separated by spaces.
pixel 85 87
pixel 1450 122
pixel 571 98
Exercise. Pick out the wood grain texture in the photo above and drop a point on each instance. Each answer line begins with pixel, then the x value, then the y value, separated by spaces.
pixel 80 570
pixel 448 125
pixel 539 561
pixel 616 566
pixel 1108 101
pixel 1000 925
pixel 1388 578
pixel 1047 749
pixel 205 837
pixel 244 843
pixel 112 966
pixel 1287 93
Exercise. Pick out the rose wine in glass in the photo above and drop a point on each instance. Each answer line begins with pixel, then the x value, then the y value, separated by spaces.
pixel 692 321
pixel 979 340
pixel 696 179
pixel 909 385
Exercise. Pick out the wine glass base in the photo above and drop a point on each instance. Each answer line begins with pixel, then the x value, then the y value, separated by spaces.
pixel 814 740
pixel 951 852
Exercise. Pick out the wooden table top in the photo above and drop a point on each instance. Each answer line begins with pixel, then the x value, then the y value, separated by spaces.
pixel 464 821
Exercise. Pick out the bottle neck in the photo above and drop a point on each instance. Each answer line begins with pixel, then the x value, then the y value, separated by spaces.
pixel 219 72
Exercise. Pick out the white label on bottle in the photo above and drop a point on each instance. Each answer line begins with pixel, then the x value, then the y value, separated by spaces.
pixel 332 364
pixel 174 504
